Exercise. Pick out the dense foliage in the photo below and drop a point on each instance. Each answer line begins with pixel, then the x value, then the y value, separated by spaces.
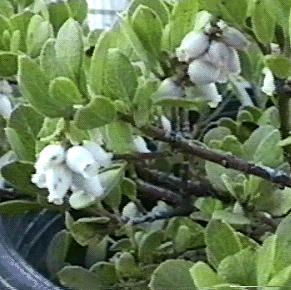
pixel 165 140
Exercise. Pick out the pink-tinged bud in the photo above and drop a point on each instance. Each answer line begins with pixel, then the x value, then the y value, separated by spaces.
pixel 81 161
pixel 140 145
pixel 193 45
pixel 233 37
pixel 5 106
pixel 103 158
pixel 218 53
pixel 58 182
pixel 203 72
pixel 211 93
pixel 233 63
pixel 90 186
pixel 51 155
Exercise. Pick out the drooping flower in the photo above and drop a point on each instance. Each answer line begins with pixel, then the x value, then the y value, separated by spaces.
pixel 58 182
pixel 203 72
pixel 169 89
pixel 103 158
pixel 234 38
pixel 218 53
pixel 193 45
pixel 140 145
pixel 39 179
pixel 166 125
pixel 51 155
pixel 211 93
pixel 269 86
pixel 81 161
pixel 5 106
pixel 233 63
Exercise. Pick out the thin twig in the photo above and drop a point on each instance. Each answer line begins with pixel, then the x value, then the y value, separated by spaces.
pixel 141 156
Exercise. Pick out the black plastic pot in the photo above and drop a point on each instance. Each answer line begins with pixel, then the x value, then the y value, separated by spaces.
pixel 23 244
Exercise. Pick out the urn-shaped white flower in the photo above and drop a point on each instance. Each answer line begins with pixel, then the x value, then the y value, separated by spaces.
pixel 39 179
pixel 233 37
pixel 193 45
pixel 51 155
pixel 58 182
pixel 218 53
pixel 103 158
pixel 202 72
pixel 140 145
pixel 90 186
pixel 169 89
pixel 80 160
pixel 269 86
pixel 233 62
pixel 211 93
pixel 166 125
pixel 5 106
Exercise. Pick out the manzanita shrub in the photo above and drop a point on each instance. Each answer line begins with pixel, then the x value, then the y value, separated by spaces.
pixel 164 141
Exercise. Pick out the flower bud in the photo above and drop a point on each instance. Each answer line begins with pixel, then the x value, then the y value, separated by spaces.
pixel 166 124
pixel 210 92
pixel 5 106
pixel 81 161
pixel 140 145
pixel 218 53
pixel 102 157
pixel 233 37
pixel 51 155
pixel 58 182
pixel 203 72
pixel 130 211
pixel 269 86
pixel 233 62
pixel 193 45
pixel 90 186
pixel 169 88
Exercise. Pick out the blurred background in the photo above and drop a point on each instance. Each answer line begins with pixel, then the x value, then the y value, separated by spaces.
pixel 102 13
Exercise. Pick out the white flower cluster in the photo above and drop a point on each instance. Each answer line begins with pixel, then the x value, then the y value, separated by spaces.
pixel 212 59
pixel 5 104
pixel 75 169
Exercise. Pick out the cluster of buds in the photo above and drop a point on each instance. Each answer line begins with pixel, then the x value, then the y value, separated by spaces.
pixel 76 169
pixel 5 104
pixel 212 57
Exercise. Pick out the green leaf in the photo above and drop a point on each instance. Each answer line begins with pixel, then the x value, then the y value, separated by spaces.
pixel 182 21
pixel 76 277
pixel 69 48
pixel 106 273
pixel 79 200
pixel 280 65
pixel 15 41
pixel 218 133
pixel 18 207
pixel 57 251
pixel 38 32
pixel 120 77
pixel 126 266
pixel 230 217
pixel 221 241
pixel 158 6
pixel 51 129
pixel 239 268
pixel 203 276
pixel 149 28
pixel 78 9
pixel 8 64
pixel 58 14
pixel 64 94
pixel 283 245
pixel 20 22
pixel 263 24
pixel 281 281
pixel 150 62
pixel 128 187
pixel 234 11
pixel 208 204
pixel 149 244
pixel 19 175
pixel 48 60
pixel 265 260
pixel 6 8
pixel 172 274
pixel 85 230
pixel 119 137
pixel 99 112
pixel 96 252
